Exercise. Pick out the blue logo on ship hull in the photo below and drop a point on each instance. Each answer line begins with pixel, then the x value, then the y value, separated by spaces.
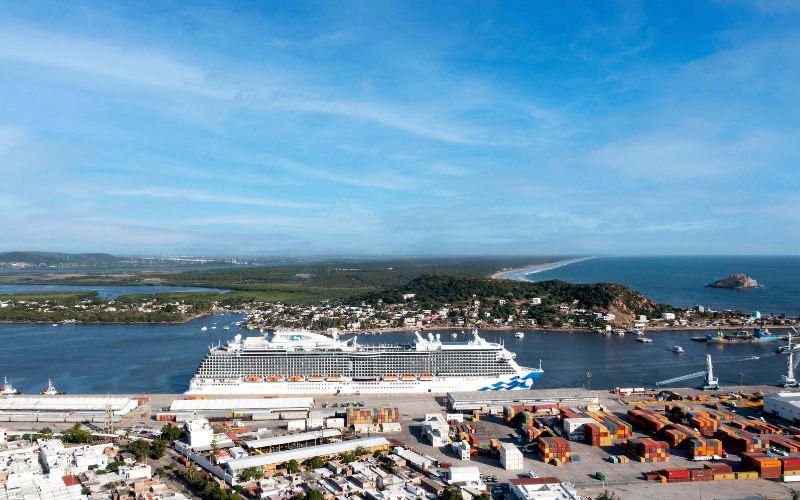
pixel 514 383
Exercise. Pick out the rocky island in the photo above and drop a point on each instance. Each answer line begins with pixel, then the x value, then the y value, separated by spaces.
pixel 736 281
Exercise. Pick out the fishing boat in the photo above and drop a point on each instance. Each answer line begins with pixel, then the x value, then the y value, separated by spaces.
pixel 677 349
pixel 7 389
pixel 51 390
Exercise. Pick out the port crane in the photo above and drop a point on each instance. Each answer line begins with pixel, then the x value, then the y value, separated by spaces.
pixel 710 383
pixel 788 380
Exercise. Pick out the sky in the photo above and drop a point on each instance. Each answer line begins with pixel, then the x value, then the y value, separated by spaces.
pixel 378 127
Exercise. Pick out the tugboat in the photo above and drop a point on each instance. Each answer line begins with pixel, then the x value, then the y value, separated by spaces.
pixel 51 390
pixel 677 349
pixel 7 389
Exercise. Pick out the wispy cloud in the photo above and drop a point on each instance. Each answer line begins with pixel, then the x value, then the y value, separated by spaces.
pixel 199 196
pixel 378 179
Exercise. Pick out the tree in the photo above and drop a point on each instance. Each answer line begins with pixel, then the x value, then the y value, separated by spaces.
pixel 377 454
pixel 292 466
pixel 251 473
pixel 315 495
pixel 76 435
pixel 46 431
pixel 608 495
pixel 315 462
pixel 451 493
pixel 157 449
pixel 483 496
pixel 140 448
pixel 170 433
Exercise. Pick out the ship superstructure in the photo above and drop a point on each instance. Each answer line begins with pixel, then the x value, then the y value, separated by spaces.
pixel 298 361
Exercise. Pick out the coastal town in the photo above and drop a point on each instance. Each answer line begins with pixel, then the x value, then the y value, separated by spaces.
pixel 478 312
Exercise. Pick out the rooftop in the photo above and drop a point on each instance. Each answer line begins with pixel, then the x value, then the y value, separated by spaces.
pixel 293 438
pixel 301 454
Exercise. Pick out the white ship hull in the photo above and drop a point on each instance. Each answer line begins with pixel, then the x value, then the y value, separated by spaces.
pixel 437 385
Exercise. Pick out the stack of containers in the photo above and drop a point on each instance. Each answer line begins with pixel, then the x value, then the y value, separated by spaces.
pixel 699 447
pixel 617 428
pixel 720 471
pixel 363 416
pixel 676 434
pixel 784 444
pixel 554 450
pixel 790 466
pixel 705 424
pixel 647 450
pixel 648 420
pixel 739 441
pixel 766 466
pixel 597 435
pixel 701 474
pixel 676 475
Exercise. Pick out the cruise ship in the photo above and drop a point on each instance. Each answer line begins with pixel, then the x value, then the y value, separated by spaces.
pixel 302 362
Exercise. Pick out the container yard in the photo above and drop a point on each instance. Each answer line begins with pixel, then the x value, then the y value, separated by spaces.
pixel 641 446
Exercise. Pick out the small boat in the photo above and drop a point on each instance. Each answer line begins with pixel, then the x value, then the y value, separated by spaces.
pixel 295 378
pixel 334 378
pixel 50 390
pixel 426 377
pixel 519 335
pixel 226 328
pixel 390 378
pixel 204 329
pixel 677 349
pixel 252 378
pixel 7 389
pixel 213 327
pixel 454 335
pixel 644 340
pixel 619 331
pixel 752 358
pixel 408 378
pixel 274 378
pixel 55 324
pixel 314 378
pixel 636 331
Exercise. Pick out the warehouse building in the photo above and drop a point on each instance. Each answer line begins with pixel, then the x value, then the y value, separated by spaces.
pixel 542 488
pixel 273 460
pixel 60 407
pixel 494 401
pixel 285 408
pixel 291 441
pixel 783 404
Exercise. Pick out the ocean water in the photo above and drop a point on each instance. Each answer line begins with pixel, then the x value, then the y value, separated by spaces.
pixel 681 281
pixel 107 292
pixel 98 359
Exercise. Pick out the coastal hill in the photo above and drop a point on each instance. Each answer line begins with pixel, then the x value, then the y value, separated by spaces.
pixel 436 291
pixel 42 259
pixel 736 281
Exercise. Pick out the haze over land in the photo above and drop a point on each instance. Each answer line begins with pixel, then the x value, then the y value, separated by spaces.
pixel 414 128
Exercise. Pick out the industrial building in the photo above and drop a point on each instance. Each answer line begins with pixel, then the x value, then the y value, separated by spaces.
pixel 493 401
pixel 291 441
pixel 468 476
pixel 255 408
pixel 783 404
pixel 64 408
pixel 272 460
pixel 542 488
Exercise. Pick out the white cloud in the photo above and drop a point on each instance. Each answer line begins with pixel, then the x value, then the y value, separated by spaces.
pixel 185 194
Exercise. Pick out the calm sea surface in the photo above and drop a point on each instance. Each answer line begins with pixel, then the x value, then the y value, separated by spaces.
pixel 104 291
pixel 162 358
pixel 680 281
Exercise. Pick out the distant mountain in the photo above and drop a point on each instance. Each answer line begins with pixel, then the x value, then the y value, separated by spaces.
pixel 47 259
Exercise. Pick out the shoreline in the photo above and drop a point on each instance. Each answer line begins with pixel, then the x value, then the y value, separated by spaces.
pixel 519 273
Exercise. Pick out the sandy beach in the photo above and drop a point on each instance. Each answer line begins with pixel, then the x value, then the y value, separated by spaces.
pixel 519 273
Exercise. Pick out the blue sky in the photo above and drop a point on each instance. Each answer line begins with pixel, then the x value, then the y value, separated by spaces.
pixel 260 128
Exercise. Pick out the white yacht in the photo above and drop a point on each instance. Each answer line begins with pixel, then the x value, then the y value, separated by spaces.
pixel 677 349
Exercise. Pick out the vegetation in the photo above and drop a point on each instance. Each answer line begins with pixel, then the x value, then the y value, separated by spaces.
pixel 292 467
pixel 76 435
pixel 251 473
pixel 450 493
pixel 147 449
pixel 170 433
pixel 205 488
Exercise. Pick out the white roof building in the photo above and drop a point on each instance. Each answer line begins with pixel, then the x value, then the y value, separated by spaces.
pixel 60 460
pixel 465 476
pixel 67 404
pixel 783 404
pixel 200 433
pixel 242 405
pixel 542 488
pixel 293 438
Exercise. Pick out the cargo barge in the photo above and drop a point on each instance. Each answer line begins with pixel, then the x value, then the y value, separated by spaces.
pixel 757 336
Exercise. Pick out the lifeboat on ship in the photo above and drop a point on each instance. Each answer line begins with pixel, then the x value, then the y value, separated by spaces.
pixel 274 378
pixel 314 378
pixel 252 378
pixel 390 378
pixel 334 378
pixel 408 378
pixel 295 378
pixel 426 377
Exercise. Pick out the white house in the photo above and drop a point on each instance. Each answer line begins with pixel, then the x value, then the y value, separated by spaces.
pixel 200 433
pixel 667 316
